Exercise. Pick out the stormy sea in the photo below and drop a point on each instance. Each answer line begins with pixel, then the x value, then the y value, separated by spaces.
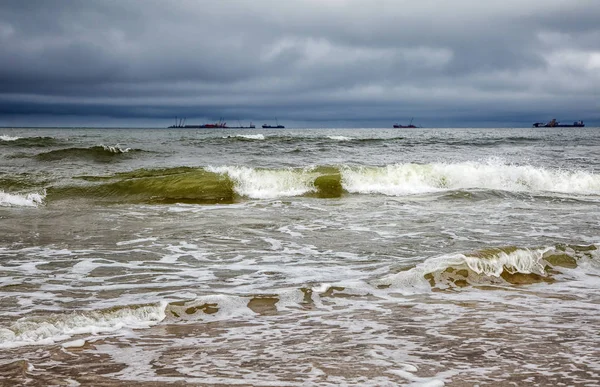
pixel 296 257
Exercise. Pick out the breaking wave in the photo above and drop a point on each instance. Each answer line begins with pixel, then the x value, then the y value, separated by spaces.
pixel 173 185
pixel 247 136
pixel 21 200
pixel 406 179
pixel 15 141
pixel 485 269
pixel 44 330
pixel 115 149
pixel 269 183
pixel 227 184
pixel 340 138
pixel 101 153
pixel 496 266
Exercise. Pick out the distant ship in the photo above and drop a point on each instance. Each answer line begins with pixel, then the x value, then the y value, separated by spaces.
pixel 410 125
pixel 220 125
pixel 277 126
pixel 556 124
pixel 217 125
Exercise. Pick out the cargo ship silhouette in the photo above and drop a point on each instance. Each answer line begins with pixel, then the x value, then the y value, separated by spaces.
pixel 277 126
pixel 180 123
pixel 556 124
pixel 410 125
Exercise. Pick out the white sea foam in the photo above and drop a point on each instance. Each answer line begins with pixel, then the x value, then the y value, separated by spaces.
pixel 220 307
pixel 115 149
pixel 251 136
pixel 410 179
pixel 52 328
pixel 525 261
pixel 322 288
pixel 85 266
pixel 21 200
pixel 224 307
pixel 74 344
pixel 408 372
pixel 403 179
pixel 340 138
pixel 9 138
pixel 268 184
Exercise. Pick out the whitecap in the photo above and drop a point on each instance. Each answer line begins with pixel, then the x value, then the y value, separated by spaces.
pixel 249 136
pixel 406 179
pixel 21 200
pixel 9 138
pixel 268 184
pixel 115 149
pixel 44 330
pixel 340 138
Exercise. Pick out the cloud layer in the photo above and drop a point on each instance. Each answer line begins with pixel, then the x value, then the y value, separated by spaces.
pixel 338 62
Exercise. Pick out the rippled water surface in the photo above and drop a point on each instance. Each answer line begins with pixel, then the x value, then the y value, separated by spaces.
pixel 322 257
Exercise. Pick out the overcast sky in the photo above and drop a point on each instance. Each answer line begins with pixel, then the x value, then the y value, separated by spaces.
pixel 338 63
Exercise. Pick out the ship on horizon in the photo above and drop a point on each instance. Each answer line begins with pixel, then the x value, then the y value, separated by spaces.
pixel 277 126
pixel 221 124
pixel 410 125
pixel 556 124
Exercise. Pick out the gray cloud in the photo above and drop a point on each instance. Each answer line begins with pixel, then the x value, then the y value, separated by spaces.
pixel 325 61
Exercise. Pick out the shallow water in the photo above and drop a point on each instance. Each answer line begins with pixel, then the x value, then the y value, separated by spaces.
pixel 300 257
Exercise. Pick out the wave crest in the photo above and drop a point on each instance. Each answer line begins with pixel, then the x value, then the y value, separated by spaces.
pixel 226 184
pixel 100 153
pixel 15 141
pixel 21 200
pixel 247 136
pixel 268 184
pixel 58 327
pixel 9 138
pixel 405 179
pixel 497 266
pixel 115 149
pixel 340 138
pixel 174 185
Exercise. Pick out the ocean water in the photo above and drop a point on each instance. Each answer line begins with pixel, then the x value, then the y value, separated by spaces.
pixel 326 257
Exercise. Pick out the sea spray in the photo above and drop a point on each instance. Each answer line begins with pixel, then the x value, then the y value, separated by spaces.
pixel 50 328
pixel 497 266
pixel 228 184
pixel 9 138
pixel 100 153
pixel 21 200
pixel 268 183
pixel 247 136
pixel 115 149
pixel 404 179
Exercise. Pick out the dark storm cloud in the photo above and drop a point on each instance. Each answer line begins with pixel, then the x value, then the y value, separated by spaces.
pixel 315 60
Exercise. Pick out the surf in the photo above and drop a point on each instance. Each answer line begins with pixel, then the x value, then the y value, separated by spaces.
pixel 100 153
pixel 21 200
pixel 28 142
pixel 500 266
pixel 230 184
pixel 49 329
